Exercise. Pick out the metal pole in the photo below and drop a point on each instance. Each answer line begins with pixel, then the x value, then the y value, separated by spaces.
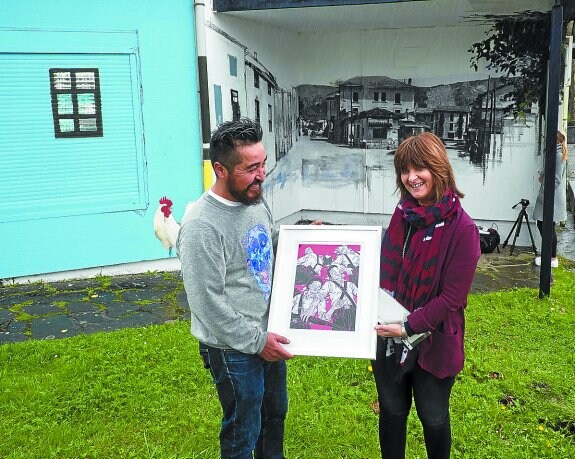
pixel 554 78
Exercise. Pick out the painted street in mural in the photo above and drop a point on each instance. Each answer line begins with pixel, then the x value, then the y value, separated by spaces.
pixel 345 178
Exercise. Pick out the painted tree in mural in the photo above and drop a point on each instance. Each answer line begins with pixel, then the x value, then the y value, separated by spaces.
pixel 518 47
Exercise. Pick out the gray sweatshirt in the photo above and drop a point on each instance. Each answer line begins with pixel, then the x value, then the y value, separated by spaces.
pixel 227 259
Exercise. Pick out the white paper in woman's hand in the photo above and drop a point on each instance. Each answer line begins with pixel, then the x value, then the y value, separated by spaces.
pixel 389 311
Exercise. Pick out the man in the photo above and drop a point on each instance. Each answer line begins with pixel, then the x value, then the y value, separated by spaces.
pixel 307 304
pixel 225 246
pixel 342 296
pixel 308 266
pixel 348 260
pixel 346 257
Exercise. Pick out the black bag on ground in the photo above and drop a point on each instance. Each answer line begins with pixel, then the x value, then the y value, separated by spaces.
pixel 489 239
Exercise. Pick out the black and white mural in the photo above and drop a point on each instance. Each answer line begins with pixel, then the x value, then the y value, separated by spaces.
pixel 334 105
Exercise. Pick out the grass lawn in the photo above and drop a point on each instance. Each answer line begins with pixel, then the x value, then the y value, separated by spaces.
pixel 142 393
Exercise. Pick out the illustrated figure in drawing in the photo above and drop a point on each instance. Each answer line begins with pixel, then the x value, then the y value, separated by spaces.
pixel 342 295
pixel 307 305
pixel 309 266
pixel 349 259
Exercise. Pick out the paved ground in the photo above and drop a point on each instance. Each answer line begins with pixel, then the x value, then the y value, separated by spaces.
pixel 68 308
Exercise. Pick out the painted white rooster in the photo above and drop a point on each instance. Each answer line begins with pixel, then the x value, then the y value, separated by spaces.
pixel 166 227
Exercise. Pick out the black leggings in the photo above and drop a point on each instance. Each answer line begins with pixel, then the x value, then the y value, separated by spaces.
pixel 554 241
pixel 395 394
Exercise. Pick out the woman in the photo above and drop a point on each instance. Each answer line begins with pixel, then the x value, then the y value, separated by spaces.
pixel 428 259
pixel 559 204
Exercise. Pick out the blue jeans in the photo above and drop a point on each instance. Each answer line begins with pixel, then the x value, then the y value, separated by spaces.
pixel 431 396
pixel 253 395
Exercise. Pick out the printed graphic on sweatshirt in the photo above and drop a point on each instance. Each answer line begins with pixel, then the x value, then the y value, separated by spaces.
pixel 258 249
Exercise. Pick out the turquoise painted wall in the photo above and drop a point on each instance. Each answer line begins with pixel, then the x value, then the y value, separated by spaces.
pixel 158 40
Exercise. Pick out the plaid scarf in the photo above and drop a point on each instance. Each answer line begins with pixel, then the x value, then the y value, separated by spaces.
pixel 408 268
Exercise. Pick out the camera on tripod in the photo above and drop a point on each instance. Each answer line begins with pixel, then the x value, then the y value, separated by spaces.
pixel 517 227
pixel 524 203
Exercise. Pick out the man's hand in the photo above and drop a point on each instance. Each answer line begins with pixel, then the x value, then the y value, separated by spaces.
pixel 273 350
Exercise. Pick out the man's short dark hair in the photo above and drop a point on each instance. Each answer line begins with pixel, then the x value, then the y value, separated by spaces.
pixel 230 135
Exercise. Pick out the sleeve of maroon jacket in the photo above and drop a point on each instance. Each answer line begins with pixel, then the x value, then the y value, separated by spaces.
pixel 457 279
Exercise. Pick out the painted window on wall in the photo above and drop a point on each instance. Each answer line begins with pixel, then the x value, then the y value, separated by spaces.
pixel 257 107
pixel 270 124
pixel 379 133
pixel 76 102
pixel 218 104
pixel 233 65
pixel 398 98
pixel 236 113
pixel 256 79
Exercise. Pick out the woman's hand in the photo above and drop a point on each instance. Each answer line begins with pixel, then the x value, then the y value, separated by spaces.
pixel 388 330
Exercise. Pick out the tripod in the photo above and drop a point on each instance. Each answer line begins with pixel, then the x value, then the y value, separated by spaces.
pixel 522 215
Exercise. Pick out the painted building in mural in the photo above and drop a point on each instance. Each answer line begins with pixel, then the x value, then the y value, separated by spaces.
pixel 242 86
pixel 97 122
pixel 367 110
pixel 359 87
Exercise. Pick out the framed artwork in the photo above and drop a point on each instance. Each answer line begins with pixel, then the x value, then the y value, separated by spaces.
pixel 325 289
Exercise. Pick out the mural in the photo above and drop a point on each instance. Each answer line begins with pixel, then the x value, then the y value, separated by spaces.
pixel 349 134
pixel 335 105
pixel 325 287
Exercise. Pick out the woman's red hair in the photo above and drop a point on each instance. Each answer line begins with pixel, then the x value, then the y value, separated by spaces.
pixel 426 151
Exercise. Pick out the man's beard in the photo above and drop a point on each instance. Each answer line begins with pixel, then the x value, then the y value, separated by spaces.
pixel 243 195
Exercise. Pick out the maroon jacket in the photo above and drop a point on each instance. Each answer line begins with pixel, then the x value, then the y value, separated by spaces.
pixel 441 354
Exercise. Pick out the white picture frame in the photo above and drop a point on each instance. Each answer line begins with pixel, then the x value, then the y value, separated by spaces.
pixel 325 289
